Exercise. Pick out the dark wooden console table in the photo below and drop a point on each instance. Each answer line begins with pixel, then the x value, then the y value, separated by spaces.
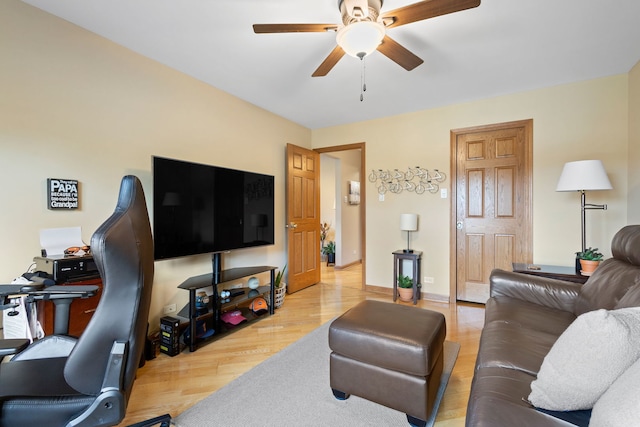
pixel 398 258
pixel 552 271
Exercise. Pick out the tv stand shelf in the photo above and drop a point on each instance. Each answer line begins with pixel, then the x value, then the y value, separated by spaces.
pixel 216 307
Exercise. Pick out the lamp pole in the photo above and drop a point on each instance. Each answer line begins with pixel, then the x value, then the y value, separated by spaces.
pixel 583 208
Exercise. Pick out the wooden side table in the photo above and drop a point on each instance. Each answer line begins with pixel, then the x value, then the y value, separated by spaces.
pixel 398 258
pixel 567 274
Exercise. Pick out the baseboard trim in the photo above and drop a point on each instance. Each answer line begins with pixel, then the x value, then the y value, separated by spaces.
pixel 389 291
pixel 351 264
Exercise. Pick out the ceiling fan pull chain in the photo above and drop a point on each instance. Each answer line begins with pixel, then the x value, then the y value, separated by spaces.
pixel 364 75
pixel 363 83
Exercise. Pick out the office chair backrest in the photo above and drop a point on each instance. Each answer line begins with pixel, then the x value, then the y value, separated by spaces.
pixel 123 251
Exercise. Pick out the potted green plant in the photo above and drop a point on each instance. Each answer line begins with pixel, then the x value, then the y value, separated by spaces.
pixel 281 287
pixel 324 229
pixel 405 288
pixel 589 260
pixel 330 252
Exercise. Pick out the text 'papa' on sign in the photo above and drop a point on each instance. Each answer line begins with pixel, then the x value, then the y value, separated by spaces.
pixel 62 193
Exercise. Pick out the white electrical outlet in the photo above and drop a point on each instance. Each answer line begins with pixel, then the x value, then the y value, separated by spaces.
pixel 443 193
pixel 380 197
pixel 428 279
pixel 168 309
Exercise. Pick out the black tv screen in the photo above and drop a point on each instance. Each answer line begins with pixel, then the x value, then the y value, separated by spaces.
pixel 201 209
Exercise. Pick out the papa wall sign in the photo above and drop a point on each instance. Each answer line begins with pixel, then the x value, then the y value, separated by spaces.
pixel 62 193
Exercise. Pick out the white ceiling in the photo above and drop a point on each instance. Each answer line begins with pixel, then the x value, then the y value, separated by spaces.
pixel 500 47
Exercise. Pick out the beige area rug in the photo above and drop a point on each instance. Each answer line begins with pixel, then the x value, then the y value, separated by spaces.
pixel 291 388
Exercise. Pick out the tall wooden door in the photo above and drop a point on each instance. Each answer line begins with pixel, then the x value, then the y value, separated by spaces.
pixel 303 217
pixel 492 224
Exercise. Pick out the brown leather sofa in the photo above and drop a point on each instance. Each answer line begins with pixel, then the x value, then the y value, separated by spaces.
pixel 524 317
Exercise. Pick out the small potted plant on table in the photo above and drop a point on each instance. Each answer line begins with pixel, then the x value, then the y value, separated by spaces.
pixel 589 260
pixel 405 288
pixel 330 252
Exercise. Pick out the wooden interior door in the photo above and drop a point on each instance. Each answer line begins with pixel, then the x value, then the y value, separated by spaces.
pixel 492 193
pixel 303 217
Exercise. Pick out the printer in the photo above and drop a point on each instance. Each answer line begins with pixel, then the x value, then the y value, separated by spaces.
pixel 68 268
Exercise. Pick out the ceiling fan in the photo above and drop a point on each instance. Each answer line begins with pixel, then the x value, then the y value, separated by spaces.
pixel 363 29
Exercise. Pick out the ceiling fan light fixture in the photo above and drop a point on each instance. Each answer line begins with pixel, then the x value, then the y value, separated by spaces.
pixel 360 38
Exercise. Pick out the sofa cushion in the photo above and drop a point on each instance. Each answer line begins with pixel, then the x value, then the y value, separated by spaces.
pixel 541 291
pixel 631 298
pixel 620 404
pixel 614 277
pixel 496 399
pixel 577 418
pixel 586 359
pixel 607 286
pixel 528 315
pixel 508 345
pixel 625 244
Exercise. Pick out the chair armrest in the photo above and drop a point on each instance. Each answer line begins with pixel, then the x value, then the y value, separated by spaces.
pixel 12 346
pixel 115 368
pixel 539 290
pixel 65 292
pixel 110 405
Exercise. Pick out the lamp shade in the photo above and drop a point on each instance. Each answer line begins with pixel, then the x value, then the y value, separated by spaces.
pixel 583 175
pixel 360 38
pixel 408 222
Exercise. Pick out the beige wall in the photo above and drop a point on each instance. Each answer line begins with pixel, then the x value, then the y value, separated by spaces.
pixel 634 145
pixel 571 122
pixel 74 105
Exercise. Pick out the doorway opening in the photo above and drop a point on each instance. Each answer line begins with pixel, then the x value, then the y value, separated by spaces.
pixel 342 208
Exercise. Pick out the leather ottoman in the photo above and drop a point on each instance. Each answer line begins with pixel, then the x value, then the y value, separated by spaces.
pixel 390 354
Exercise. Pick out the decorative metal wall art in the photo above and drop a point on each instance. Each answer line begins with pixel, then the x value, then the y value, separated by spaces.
pixel 416 180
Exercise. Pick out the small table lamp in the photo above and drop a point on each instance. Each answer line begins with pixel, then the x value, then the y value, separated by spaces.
pixel 584 175
pixel 408 223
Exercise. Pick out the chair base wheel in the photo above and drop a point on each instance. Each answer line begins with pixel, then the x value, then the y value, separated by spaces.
pixel 340 395
pixel 416 422
pixel 162 420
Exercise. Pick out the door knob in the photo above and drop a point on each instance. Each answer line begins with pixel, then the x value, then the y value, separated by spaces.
pixel 292 225
pixel 459 225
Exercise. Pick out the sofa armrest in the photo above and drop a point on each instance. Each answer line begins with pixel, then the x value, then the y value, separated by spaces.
pixel 539 290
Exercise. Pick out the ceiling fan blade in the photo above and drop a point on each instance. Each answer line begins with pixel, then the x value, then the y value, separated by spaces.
pixel 330 61
pixel 293 28
pixel 426 9
pixel 399 54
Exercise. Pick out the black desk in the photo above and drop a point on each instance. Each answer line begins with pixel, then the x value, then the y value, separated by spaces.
pixel 552 271
pixel 398 258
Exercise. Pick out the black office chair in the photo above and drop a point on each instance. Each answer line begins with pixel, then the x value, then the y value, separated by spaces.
pixel 90 385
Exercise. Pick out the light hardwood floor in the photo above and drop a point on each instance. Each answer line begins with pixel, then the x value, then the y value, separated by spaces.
pixel 173 384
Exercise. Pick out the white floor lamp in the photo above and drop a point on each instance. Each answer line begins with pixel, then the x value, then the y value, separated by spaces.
pixel 584 175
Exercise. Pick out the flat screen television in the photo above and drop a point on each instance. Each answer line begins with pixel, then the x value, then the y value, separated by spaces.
pixel 199 209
